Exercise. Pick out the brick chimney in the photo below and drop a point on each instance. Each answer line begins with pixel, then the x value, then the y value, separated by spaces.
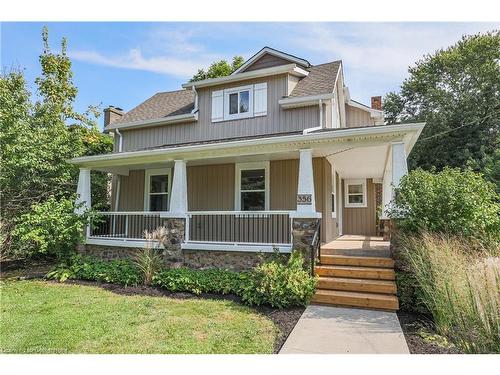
pixel 377 102
pixel 111 114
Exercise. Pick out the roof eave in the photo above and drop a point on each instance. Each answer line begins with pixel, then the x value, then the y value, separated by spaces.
pixel 282 69
pixel 154 122
pixel 302 101
pixel 413 129
pixel 274 52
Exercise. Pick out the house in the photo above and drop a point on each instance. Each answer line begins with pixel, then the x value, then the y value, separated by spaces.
pixel 265 158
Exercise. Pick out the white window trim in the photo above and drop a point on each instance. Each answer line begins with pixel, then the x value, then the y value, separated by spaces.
pixel 147 184
pixel 250 166
pixel 237 116
pixel 346 193
pixel 334 192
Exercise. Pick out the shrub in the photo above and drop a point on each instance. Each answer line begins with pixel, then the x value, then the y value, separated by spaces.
pixel 451 201
pixel 458 280
pixel 279 284
pixel 122 271
pixel 50 228
pixel 217 281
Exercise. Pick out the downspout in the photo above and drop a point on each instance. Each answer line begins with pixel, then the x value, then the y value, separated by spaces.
pixel 120 141
pixel 195 109
pixel 309 130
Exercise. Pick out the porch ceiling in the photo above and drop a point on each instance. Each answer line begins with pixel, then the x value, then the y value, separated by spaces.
pixel 362 162
pixel 340 144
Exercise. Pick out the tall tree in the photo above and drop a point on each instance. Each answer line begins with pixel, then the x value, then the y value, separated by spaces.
pixel 218 69
pixel 38 136
pixel 456 91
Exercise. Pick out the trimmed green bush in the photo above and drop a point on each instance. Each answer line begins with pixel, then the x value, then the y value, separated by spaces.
pixel 276 282
pixel 451 201
pixel 279 284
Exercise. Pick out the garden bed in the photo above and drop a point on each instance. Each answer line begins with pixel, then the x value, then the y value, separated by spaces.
pixel 421 338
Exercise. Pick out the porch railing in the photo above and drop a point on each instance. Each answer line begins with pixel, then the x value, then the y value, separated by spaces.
pixel 126 225
pixel 256 227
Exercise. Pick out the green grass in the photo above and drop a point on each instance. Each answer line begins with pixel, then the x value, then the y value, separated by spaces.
pixel 41 317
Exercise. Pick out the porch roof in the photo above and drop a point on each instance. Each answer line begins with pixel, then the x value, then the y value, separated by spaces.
pixel 324 143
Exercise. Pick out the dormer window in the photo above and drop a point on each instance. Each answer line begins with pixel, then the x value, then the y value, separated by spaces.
pixel 238 102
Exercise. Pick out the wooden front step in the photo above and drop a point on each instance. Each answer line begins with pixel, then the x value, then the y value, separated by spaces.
pixel 357 285
pixel 344 260
pixel 356 272
pixel 356 299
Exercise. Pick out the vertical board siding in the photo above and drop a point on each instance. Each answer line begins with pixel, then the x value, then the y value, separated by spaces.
pixel 361 221
pixel 132 191
pixel 284 178
pixel 266 61
pixel 211 187
pixel 357 117
pixel 276 121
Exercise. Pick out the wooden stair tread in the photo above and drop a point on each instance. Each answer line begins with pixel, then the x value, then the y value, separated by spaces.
pixel 357 299
pixel 365 261
pixel 357 285
pixel 355 272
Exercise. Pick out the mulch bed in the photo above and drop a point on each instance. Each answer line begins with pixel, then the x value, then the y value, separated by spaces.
pixel 413 326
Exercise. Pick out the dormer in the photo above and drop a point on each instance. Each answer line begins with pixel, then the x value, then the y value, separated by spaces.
pixel 269 57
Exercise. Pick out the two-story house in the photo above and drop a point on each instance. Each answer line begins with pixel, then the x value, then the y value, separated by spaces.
pixel 247 163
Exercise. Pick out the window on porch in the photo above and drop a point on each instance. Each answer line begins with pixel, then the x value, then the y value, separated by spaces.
pixel 157 190
pixel 355 193
pixel 252 186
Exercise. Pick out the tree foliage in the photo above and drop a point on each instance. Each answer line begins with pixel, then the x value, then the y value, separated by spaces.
pixel 219 68
pixel 39 133
pixel 452 202
pixel 456 91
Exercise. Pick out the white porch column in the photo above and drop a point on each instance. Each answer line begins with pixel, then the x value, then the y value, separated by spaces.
pixel 395 169
pixel 306 202
pixel 178 200
pixel 83 191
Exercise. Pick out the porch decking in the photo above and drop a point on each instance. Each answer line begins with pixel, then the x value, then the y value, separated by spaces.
pixel 357 271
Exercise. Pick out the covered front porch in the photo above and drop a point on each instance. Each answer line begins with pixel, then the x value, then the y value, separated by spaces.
pixel 250 195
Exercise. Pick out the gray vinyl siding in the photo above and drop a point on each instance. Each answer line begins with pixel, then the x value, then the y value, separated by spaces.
pixel 356 117
pixel 276 121
pixel 132 191
pixel 361 221
pixel 266 61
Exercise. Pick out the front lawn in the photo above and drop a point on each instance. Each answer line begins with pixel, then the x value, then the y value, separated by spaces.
pixel 42 317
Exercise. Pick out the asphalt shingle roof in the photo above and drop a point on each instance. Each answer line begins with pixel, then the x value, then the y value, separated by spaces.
pixel 160 105
pixel 321 80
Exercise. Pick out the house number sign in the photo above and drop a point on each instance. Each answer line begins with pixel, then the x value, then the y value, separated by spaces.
pixel 304 199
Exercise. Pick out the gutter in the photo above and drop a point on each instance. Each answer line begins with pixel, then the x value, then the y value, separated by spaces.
pixel 120 141
pixel 310 130
pixel 416 128
pixel 282 69
pixel 159 121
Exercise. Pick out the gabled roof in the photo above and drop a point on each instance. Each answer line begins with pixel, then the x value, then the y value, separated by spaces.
pixel 160 105
pixel 271 51
pixel 320 80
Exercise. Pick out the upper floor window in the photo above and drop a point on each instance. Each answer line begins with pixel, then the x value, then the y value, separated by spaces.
pixel 355 193
pixel 157 189
pixel 239 102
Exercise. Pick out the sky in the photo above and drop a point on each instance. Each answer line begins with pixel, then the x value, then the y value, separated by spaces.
pixel 123 64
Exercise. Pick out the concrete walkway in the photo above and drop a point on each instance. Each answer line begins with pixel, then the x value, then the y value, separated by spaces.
pixel 339 330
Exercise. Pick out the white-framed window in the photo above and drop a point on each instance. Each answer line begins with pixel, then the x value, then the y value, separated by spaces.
pixel 238 102
pixel 355 193
pixel 252 186
pixel 157 186
pixel 334 193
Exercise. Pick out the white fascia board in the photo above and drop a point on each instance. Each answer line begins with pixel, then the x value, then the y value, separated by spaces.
pixel 157 121
pixel 282 69
pixel 273 52
pixel 304 100
pixel 373 112
pixel 180 152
